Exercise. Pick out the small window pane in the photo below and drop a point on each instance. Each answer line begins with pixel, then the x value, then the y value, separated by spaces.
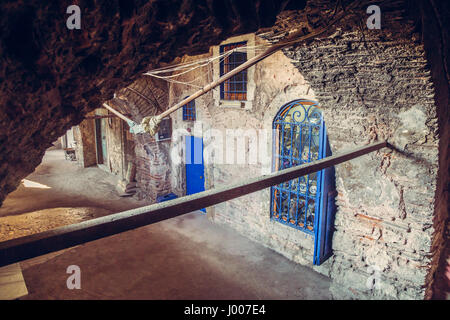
pixel 234 88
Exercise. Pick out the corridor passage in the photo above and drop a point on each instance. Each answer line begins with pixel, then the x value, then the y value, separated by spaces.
pixel 187 257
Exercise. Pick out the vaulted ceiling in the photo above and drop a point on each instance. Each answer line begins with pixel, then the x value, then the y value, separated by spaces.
pixel 50 76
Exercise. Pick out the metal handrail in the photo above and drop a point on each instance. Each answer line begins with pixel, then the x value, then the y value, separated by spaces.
pixel 34 245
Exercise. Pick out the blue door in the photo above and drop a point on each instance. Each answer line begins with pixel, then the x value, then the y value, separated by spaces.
pixel 325 221
pixel 305 203
pixel 195 169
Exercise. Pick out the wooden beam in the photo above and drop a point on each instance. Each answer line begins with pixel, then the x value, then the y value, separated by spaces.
pixel 104 116
pixel 31 246
pixel 117 113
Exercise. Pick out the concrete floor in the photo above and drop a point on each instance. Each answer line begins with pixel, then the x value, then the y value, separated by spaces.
pixel 70 186
pixel 187 257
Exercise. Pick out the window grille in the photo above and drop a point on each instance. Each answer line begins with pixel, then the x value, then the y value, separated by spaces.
pixel 189 111
pixel 298 140
pixel 234 88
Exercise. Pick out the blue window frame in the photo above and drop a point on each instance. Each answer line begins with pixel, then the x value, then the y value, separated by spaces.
pixel 305 203
pixel 189 111
pixel 234 88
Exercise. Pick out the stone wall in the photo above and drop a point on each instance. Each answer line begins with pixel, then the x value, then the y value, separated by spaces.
pixel 371 85
pixel 183 128
pixel 436 27
pixel 376 85
pixel 146 97
pixel 276 82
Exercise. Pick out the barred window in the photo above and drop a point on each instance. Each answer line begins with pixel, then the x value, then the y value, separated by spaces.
pixel 306 203
pixel 234 88
pixel 299 127
pixel 189 111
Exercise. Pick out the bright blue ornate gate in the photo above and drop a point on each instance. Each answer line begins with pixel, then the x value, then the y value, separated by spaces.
pixel 305 203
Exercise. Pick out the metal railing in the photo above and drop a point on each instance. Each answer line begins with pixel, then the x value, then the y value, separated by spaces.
pixel 31 246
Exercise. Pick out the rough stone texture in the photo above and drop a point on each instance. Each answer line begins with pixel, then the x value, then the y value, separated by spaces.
pixel 276 82
pixel 392 205
pixel 153 167
pixel 436 28
pixel 377 85
pixel 145 97
pixel 371 85
pixel 50 76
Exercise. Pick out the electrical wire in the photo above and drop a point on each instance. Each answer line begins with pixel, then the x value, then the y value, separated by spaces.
pixel 170 73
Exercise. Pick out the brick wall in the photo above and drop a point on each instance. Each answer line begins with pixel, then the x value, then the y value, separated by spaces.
pixel 436 27
pixel 152 167
pixel 148 97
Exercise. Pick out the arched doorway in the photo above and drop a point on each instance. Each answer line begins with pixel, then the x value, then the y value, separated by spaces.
pixel 305 203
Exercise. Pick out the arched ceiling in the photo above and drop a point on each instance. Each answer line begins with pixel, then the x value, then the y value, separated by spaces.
pixel 50 76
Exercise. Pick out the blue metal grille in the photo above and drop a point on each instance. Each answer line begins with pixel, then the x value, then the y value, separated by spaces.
pixel 234 88
pixel 297 140
pixel 189 111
